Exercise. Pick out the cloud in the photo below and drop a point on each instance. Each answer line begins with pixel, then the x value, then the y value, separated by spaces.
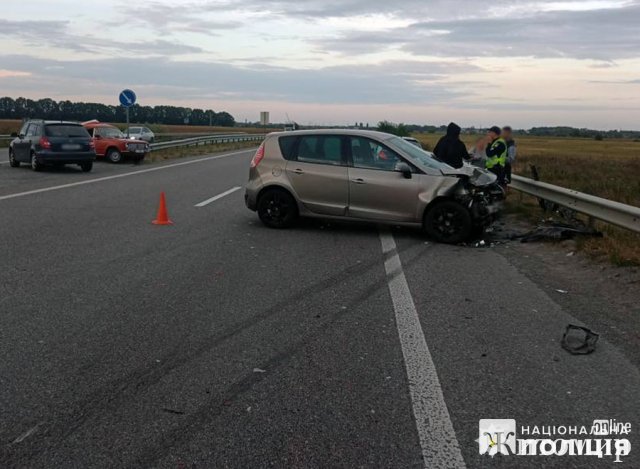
pixel 183 17
pixel 56 34
pixel 13 73
pixel 603 34
pixel 391 82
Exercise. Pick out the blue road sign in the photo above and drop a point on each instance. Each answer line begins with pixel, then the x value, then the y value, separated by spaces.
pixel 127 98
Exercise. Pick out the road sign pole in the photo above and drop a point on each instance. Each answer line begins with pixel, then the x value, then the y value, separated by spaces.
pixel 127 99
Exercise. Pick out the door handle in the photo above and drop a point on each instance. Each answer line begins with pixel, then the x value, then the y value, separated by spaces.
pixel 298 171
pixel 358 181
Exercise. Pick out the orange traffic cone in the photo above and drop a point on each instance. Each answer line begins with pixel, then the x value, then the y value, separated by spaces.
pixel 163 216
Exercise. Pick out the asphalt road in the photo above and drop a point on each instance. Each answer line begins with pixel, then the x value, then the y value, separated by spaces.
pixel 217 342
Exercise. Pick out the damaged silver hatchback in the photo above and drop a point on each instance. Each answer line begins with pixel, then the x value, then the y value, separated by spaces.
pixel 369 176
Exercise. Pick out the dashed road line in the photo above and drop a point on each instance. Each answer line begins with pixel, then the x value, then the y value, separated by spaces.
pixel 218 197
pixel 118 176
pixel 440 447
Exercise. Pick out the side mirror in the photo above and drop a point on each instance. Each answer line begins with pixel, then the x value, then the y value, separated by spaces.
pixel 405 169
pixel 14 134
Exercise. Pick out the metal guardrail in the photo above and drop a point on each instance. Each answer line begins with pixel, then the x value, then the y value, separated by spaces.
pixel 615 213
pixel 207 140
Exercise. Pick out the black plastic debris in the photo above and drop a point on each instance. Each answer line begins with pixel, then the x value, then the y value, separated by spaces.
pixel 557 231
pixel 579 340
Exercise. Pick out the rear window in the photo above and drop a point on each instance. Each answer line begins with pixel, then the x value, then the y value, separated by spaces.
pixel 65 130
pixel 286 147
pixel 320 149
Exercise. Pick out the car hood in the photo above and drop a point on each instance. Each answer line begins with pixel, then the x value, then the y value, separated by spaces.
pixel 129 140
pixel 478 177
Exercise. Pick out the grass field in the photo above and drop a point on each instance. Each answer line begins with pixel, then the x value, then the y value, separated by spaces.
pixel 609 169
pixel 9 126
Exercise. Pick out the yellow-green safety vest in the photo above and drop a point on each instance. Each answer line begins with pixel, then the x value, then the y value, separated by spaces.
pixel 499 159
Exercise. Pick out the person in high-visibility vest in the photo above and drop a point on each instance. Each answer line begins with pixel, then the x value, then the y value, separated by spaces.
pixel 497 154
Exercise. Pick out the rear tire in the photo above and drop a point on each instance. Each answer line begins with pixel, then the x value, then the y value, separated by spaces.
pixel 114 155
pixel 35 164
pixel 86 167
pixel 448 222
pixel 277 208
pixel 12 160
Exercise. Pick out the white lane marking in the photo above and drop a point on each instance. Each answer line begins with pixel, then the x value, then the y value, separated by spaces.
pixel 218 197
pixel 440 447
pixel 118 176
pixel 27 434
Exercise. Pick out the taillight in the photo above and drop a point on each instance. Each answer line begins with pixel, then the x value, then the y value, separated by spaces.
pixel 45 143
pixel 258 156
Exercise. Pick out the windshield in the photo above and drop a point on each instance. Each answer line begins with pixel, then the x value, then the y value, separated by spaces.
pixel 419 155
pixel 109 132
pixel 135 130
pixel 65 130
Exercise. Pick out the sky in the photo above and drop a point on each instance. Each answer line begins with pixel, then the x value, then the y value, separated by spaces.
pixel 523 63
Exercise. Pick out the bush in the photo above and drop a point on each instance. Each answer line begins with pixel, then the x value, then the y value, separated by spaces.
pixel 400 130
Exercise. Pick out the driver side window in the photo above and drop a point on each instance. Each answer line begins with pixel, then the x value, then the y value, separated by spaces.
pixel 32 131
pixel 369 154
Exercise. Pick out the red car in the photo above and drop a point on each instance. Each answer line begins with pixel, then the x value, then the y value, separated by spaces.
pixel 114 145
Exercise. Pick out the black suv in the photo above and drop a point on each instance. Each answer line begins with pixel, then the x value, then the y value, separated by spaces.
pixel 41 143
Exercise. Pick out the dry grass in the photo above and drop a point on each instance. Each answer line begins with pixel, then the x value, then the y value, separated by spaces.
pixel 198 129
pixel 9 126
pixel 609 169
pixel 182 152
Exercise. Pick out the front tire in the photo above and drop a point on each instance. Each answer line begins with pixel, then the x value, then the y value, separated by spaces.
pixel 277 208
pixel 35 164
pixel 448 222
pixel 12 160
pixel 86 167
pixel 114 155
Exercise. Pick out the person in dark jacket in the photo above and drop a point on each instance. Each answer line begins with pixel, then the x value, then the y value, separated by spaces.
pixel 450 149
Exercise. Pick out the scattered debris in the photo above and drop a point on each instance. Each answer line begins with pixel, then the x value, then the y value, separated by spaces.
pixel 258 370
pixel 171 411
pixel 564 292
pixel 571 254
pixel 557 231
pixel 579 340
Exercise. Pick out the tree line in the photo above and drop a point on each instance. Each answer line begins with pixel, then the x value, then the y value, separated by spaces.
pixel 23 108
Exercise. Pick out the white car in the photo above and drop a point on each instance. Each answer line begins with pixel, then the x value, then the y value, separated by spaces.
pixel 141 133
